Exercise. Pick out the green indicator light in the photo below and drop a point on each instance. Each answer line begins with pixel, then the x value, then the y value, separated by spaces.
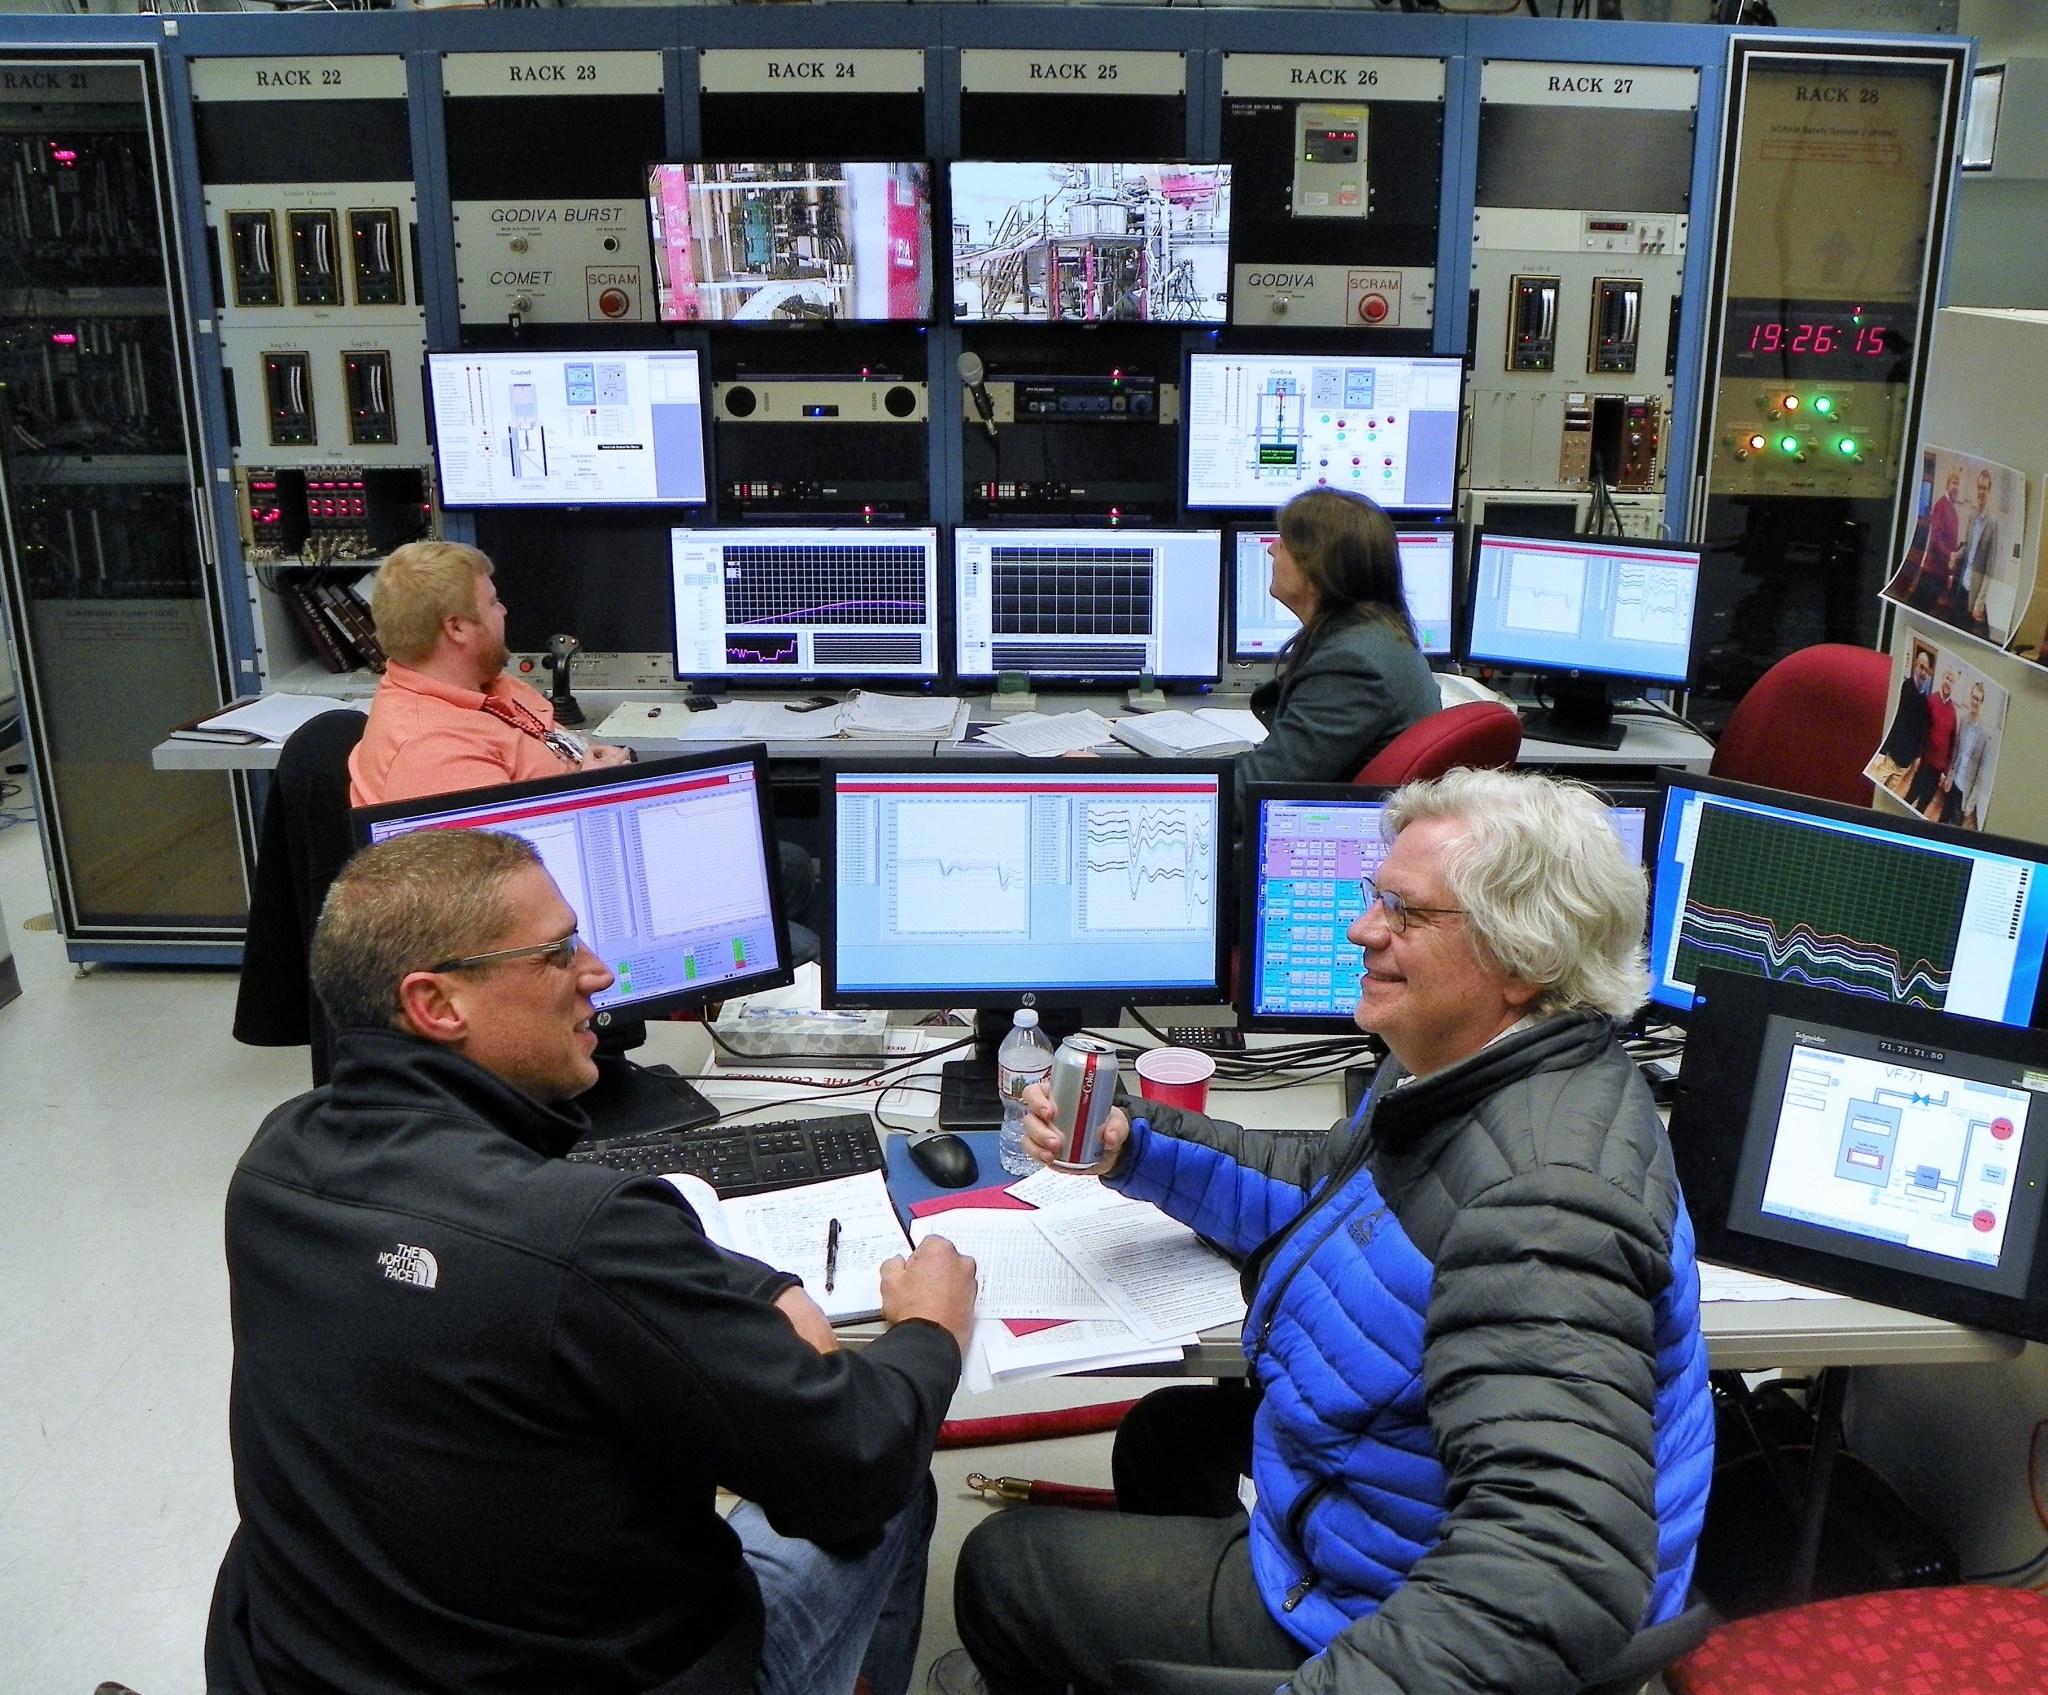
pixel 1788 444
pixel 1823 405
pixel 1847 444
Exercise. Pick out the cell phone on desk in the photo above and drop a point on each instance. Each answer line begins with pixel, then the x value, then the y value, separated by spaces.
pixel 812 703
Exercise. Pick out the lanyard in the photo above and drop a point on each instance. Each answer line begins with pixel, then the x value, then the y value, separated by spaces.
pixel 570 749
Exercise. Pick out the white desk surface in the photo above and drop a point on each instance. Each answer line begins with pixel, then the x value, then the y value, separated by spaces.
pixel 1741 1335
pixel 1648 740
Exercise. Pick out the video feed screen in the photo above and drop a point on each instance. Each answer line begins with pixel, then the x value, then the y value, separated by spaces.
pixel 792 243
pixel 1262 428
pixel 1080 244
pixel 568 429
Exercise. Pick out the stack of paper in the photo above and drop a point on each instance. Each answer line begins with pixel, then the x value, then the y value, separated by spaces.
pixel 271 718
pixel 864 717
pixel 1075 1277
pixel 888 717
pixel 1046 736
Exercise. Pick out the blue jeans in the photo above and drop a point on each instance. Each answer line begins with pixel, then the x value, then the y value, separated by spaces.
pixel 830 1617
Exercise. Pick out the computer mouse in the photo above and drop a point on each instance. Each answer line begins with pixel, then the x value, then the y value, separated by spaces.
pixel 945 1159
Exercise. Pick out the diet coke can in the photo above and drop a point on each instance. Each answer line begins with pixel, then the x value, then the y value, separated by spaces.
pixel 1083 1085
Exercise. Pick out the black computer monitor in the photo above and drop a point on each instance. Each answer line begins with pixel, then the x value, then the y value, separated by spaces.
pixel 669 866
pixel 1305 847
pixel 1583 613
pixel 624 427
pixel 1778 885
pixel 1061 243
pixel 785 603
pixel 1000 883
pixel 1088 605
pixel 792 243
pixel 1260 626
pixel 1886 1152
pixel 1264 427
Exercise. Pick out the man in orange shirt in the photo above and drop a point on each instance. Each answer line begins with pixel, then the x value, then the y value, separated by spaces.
pixel 447 717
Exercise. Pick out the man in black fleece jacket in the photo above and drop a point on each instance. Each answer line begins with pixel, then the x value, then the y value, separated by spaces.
pixel 483 1398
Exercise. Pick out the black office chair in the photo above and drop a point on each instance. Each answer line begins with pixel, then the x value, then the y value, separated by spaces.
pixel 305 840
pixel 1647 1653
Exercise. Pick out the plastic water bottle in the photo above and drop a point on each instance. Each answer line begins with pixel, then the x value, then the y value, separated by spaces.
pixel 1024 1058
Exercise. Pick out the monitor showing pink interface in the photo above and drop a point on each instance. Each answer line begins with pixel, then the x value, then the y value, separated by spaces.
pixel 791 243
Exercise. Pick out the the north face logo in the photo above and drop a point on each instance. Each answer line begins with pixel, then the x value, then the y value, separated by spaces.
pixel 406 1264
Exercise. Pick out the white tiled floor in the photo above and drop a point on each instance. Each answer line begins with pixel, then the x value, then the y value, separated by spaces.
pixel 124 1104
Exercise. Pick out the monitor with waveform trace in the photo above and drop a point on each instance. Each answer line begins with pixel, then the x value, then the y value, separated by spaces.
pixel 1260 626
pixel 1306 845
pixel 1777 885
pixel 782 605
pixel 1088 605
pixel 998 883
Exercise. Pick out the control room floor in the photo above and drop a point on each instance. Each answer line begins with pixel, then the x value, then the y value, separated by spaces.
pixel 124 1103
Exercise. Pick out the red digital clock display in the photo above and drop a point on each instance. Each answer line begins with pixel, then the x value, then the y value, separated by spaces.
pixel 1818 341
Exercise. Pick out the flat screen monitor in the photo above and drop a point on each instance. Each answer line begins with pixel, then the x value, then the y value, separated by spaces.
pixel 792 243
pixel 1980 129
pixel 1002 883
pixel 1077 605
pixel 619 428
pixel 1583 612
pixel 1086 244
pixel 784 604
pixel 668 866
pixel 1306 845
pixel 1260 626
pixel 1776 885
pixel 1885 1152
pixel 1264 427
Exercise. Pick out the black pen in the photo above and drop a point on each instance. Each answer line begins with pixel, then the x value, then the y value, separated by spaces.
pixel 831 1255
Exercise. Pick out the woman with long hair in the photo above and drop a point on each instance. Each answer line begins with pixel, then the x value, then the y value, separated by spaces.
pixel 1353 678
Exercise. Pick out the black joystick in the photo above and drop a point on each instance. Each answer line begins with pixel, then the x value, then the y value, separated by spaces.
pixel 561 697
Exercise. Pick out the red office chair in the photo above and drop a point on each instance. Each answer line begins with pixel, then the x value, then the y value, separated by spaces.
pixel 1481 734
pixel 1961 1641
pixel 1810 724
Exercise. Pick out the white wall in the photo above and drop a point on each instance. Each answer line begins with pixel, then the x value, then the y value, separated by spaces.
pixel 2001 245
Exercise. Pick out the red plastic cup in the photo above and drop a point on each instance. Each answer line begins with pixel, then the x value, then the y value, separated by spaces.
pixel 1176 1077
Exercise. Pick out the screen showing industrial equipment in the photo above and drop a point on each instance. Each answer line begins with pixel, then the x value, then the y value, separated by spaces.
pixel 788 603
pixel 622 428
pixel 1261 626
pixel 1262 427
pixel 792 243
pixel 1079 605
pixel 1084 244
pixel 995 883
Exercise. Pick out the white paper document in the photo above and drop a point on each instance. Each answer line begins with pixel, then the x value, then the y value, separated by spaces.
pixel 790 1229
pixel 272 718
pixel 1160 1278
pixel 1725 1283
pixel 1045 736
pixel 1019 1273
pixel 1052 1190
pixel 1087 1345
pixel 903 716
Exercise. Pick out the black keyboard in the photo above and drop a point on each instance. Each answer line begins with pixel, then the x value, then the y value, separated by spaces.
pixel 745 1159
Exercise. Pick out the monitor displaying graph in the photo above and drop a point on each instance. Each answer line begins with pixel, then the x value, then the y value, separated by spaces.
pixel 1088 604
pixel 1260 626
pixel 785 604
pixel 1773 885
pixel 1000 883
pixel 1605 606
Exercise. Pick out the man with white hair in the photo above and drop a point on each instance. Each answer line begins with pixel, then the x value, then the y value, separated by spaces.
pixel 1480 1435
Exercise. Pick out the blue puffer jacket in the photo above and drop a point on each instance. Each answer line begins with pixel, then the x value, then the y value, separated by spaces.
pixel 1485 1438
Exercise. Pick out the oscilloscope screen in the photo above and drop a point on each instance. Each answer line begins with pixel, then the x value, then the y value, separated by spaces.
pixel 1774 885
pixel 998 884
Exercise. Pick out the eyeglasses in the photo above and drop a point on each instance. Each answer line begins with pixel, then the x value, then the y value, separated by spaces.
pixel 560 953
pixel 1398 909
